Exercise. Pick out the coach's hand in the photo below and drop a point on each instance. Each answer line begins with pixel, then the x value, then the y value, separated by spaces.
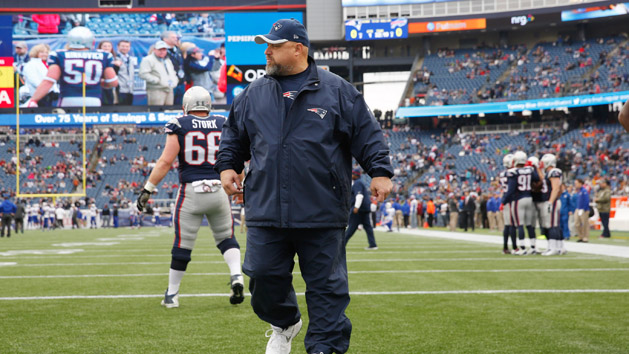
pixel 231 182
pixel 381 187
pixel 143 199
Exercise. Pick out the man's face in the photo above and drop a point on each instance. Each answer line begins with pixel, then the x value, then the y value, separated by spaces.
pixel 172 40
pixel 280 58
pixel 20 50
pixel 124 47
pixel 161 53
pixel 577 184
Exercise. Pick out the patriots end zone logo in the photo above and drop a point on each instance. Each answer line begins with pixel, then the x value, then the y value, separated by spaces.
pixel 319 111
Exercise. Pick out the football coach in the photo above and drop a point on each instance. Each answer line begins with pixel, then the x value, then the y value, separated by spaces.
pixel 299 126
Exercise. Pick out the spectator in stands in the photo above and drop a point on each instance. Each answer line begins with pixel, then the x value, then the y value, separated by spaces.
pixel 174 54
pixel 8 209
pixel 603 201
pixel 108 93
pixel 47 24
pixel 21 56
pixel 198 68
pixel 126 73
pixel 34 72
pixel 160 76
pixel 582 219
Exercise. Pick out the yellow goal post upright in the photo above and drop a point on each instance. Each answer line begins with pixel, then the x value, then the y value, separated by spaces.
pixel 54 196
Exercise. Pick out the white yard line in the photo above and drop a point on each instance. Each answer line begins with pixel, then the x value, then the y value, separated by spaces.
pixel 571 246
pixel 504 258
pixel 352 293
pixel 405 271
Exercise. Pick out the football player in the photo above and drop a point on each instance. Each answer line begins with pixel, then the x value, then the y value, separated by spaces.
pixel 540 195
pixel 67 67
pixel 518 192
pixel 553 179
pixel 509 228
pixel 194 140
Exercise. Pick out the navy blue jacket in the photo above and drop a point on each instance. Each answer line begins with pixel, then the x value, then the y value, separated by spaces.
pixel 359 187
pixel 301 162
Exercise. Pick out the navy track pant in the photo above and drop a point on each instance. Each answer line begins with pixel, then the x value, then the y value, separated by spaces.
pixel 358 219
pixel 269 262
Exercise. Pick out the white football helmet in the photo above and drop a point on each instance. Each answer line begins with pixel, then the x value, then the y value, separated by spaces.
pixel 534 161
pixel 549 160
pixel 519 158
pixel 197 99
pixel 80 37
pixel 507 161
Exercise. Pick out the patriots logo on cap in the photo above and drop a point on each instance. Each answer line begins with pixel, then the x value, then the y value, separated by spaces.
pixel 290 94
pixel 277 26
pixel 319 111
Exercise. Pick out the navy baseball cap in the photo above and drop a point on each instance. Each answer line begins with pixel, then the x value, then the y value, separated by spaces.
pixel 285 30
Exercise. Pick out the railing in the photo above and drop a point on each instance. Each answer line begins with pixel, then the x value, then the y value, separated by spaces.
pixel 506 128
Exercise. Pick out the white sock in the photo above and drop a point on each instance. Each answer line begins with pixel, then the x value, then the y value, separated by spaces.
pixel 552 244
pixel 532 240
pixel 232 258
pixel 174 280
pixel 559 244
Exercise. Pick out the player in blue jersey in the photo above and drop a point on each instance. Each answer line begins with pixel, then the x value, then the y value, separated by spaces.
pixel 194 140
pixel 67 67
pixel 553 179
pixel 520 180
pixel 509 224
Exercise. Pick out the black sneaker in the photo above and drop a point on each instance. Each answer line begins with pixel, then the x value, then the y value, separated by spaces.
pixel 237 284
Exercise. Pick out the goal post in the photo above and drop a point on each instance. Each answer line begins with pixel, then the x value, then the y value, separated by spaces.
pixel 18 193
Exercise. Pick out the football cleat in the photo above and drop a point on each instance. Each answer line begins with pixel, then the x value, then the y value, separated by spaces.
pixel 563 251
pixel 237 284
pixel 506 251
pixel 550 252
pixel 520 252
pixel 371 248
pixel 280 339
pixel 534 251
pixel 170 301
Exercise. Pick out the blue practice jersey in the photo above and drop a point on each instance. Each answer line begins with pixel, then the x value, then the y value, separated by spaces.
pixel 547 188
pixel 73 63
pixel 520 179
pixel 359 187
pixel 199 138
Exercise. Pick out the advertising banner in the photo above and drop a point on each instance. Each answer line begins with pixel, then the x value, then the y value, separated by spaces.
pixel 376 29
pixel 447 26
pixel 7 80
pixel 595 12
pixel 513 106
pixel 49 120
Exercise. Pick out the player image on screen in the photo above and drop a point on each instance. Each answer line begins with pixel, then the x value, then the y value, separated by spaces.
pixel 194 140
pixel 67 67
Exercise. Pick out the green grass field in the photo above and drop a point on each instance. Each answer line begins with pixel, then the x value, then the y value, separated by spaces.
pixel 414 295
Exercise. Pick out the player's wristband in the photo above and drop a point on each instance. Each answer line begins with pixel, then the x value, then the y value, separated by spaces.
pixel 48 78
pixel 112 79
pixel 149 186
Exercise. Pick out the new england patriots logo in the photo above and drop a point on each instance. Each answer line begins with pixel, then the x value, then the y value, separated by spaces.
pixel 290 94
pixel 277 26
pixel 319 111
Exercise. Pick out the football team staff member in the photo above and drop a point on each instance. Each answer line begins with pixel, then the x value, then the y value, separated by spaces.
pixel 360 209
pixel 300 126
pixel 194 139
